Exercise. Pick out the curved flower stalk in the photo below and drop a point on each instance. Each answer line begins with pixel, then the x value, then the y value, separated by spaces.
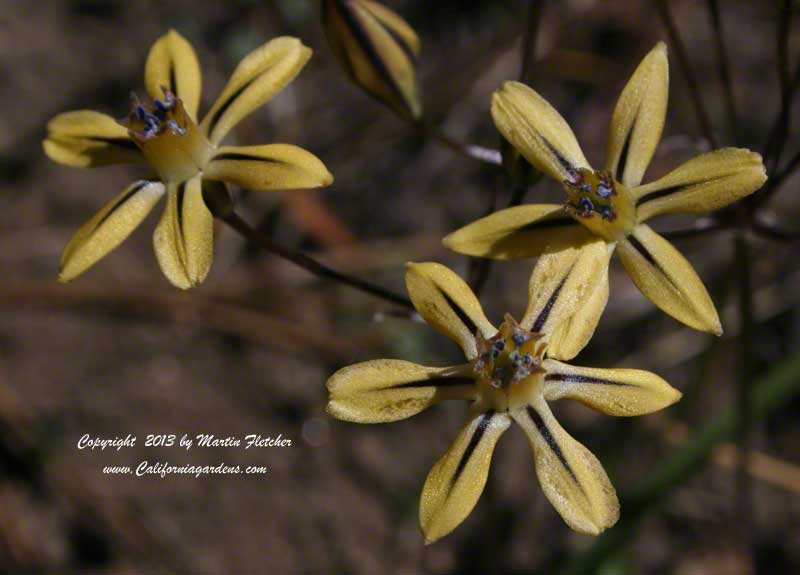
pixel 612 205
pixel 184 157
pixel 377 49
pixel 510 374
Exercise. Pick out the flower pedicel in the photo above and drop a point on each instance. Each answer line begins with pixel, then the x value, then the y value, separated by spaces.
pixel 184 157
pixel 510 375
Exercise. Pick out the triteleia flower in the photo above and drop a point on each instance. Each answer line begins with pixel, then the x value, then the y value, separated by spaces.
pixel 185 158
pixel 510 375
pixel 377 49
pixel 612 205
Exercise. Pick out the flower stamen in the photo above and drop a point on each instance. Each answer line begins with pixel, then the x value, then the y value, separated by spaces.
pixel 599 202
pixel 167 136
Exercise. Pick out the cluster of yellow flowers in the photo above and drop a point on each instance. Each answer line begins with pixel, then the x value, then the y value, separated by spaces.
pixel 511 371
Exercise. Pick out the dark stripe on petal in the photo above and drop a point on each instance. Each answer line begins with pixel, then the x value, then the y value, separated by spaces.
pixel 672 190
pixel 643 250
pixel 462 315
pixel 483 424
pixel 173 84
pixel 245 158
pixel 623 155
pixel 436 382
pixel 179 207
pixel 548 223
pixel 541 319
pixel 122 200
pixel 549 439
pixel 400 41
pixel 570 169
pixel 224 108
pixel 364 41
pixel 574 378
pixel 659 194
pixel 126 143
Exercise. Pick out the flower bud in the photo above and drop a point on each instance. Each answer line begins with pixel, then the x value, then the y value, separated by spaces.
pixel 378 50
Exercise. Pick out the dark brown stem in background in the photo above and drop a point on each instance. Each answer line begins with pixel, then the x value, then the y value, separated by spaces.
pixel 699 228
pixel 784 22
pixel 683 61
pixel 744 394
pixel 310 264
pixel 529 40
pixel 776 181
pixel 479 271
pixel 471 151
pixel 724 65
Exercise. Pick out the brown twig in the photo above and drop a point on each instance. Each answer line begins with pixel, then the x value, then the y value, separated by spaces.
pixel 471 151
pixel 310 264
pixel 723 64
pixel 683 61
pixel 529 39
pixel 479 271
pixel 700 227
pixel 744 392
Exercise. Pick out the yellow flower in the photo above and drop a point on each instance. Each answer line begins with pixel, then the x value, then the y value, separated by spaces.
pixel 184 157
pixel 377 49
pixel 611 204
pixel 510 375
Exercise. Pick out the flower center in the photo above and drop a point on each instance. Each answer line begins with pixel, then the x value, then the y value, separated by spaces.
pixel 506 363
pixel 601 204
pixel 169 139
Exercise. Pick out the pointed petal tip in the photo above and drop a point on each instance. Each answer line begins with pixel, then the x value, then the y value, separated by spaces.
pixel 429 537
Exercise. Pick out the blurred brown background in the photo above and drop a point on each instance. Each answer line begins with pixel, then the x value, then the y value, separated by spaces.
pixel 120 351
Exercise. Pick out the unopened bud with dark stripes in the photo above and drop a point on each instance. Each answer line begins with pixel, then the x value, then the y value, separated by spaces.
pixel 378 50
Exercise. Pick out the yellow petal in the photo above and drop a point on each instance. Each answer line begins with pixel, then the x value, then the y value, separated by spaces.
pixel 665 277
pixel 622 392
pixel 447 303
pixel 184 238
pixel 561 283
pixel 87 139
pixel 269 167
pixel 389 390
pixel 377 49
pixel 457 480
pixel 571 477
pixel 172 64
pixel 571 335
pixel 262 74
pixel 518 232
pixel 539 132
pixel 638 118
pixel 703 184
pixel 109 227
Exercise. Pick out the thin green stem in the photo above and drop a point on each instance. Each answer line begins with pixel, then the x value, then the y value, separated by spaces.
pixel 775 389
pixel 310 264
pixel 683 61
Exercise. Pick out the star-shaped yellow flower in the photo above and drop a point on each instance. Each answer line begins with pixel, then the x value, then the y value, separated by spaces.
pixel 611 205
pixel 185 159
pixel 510 375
